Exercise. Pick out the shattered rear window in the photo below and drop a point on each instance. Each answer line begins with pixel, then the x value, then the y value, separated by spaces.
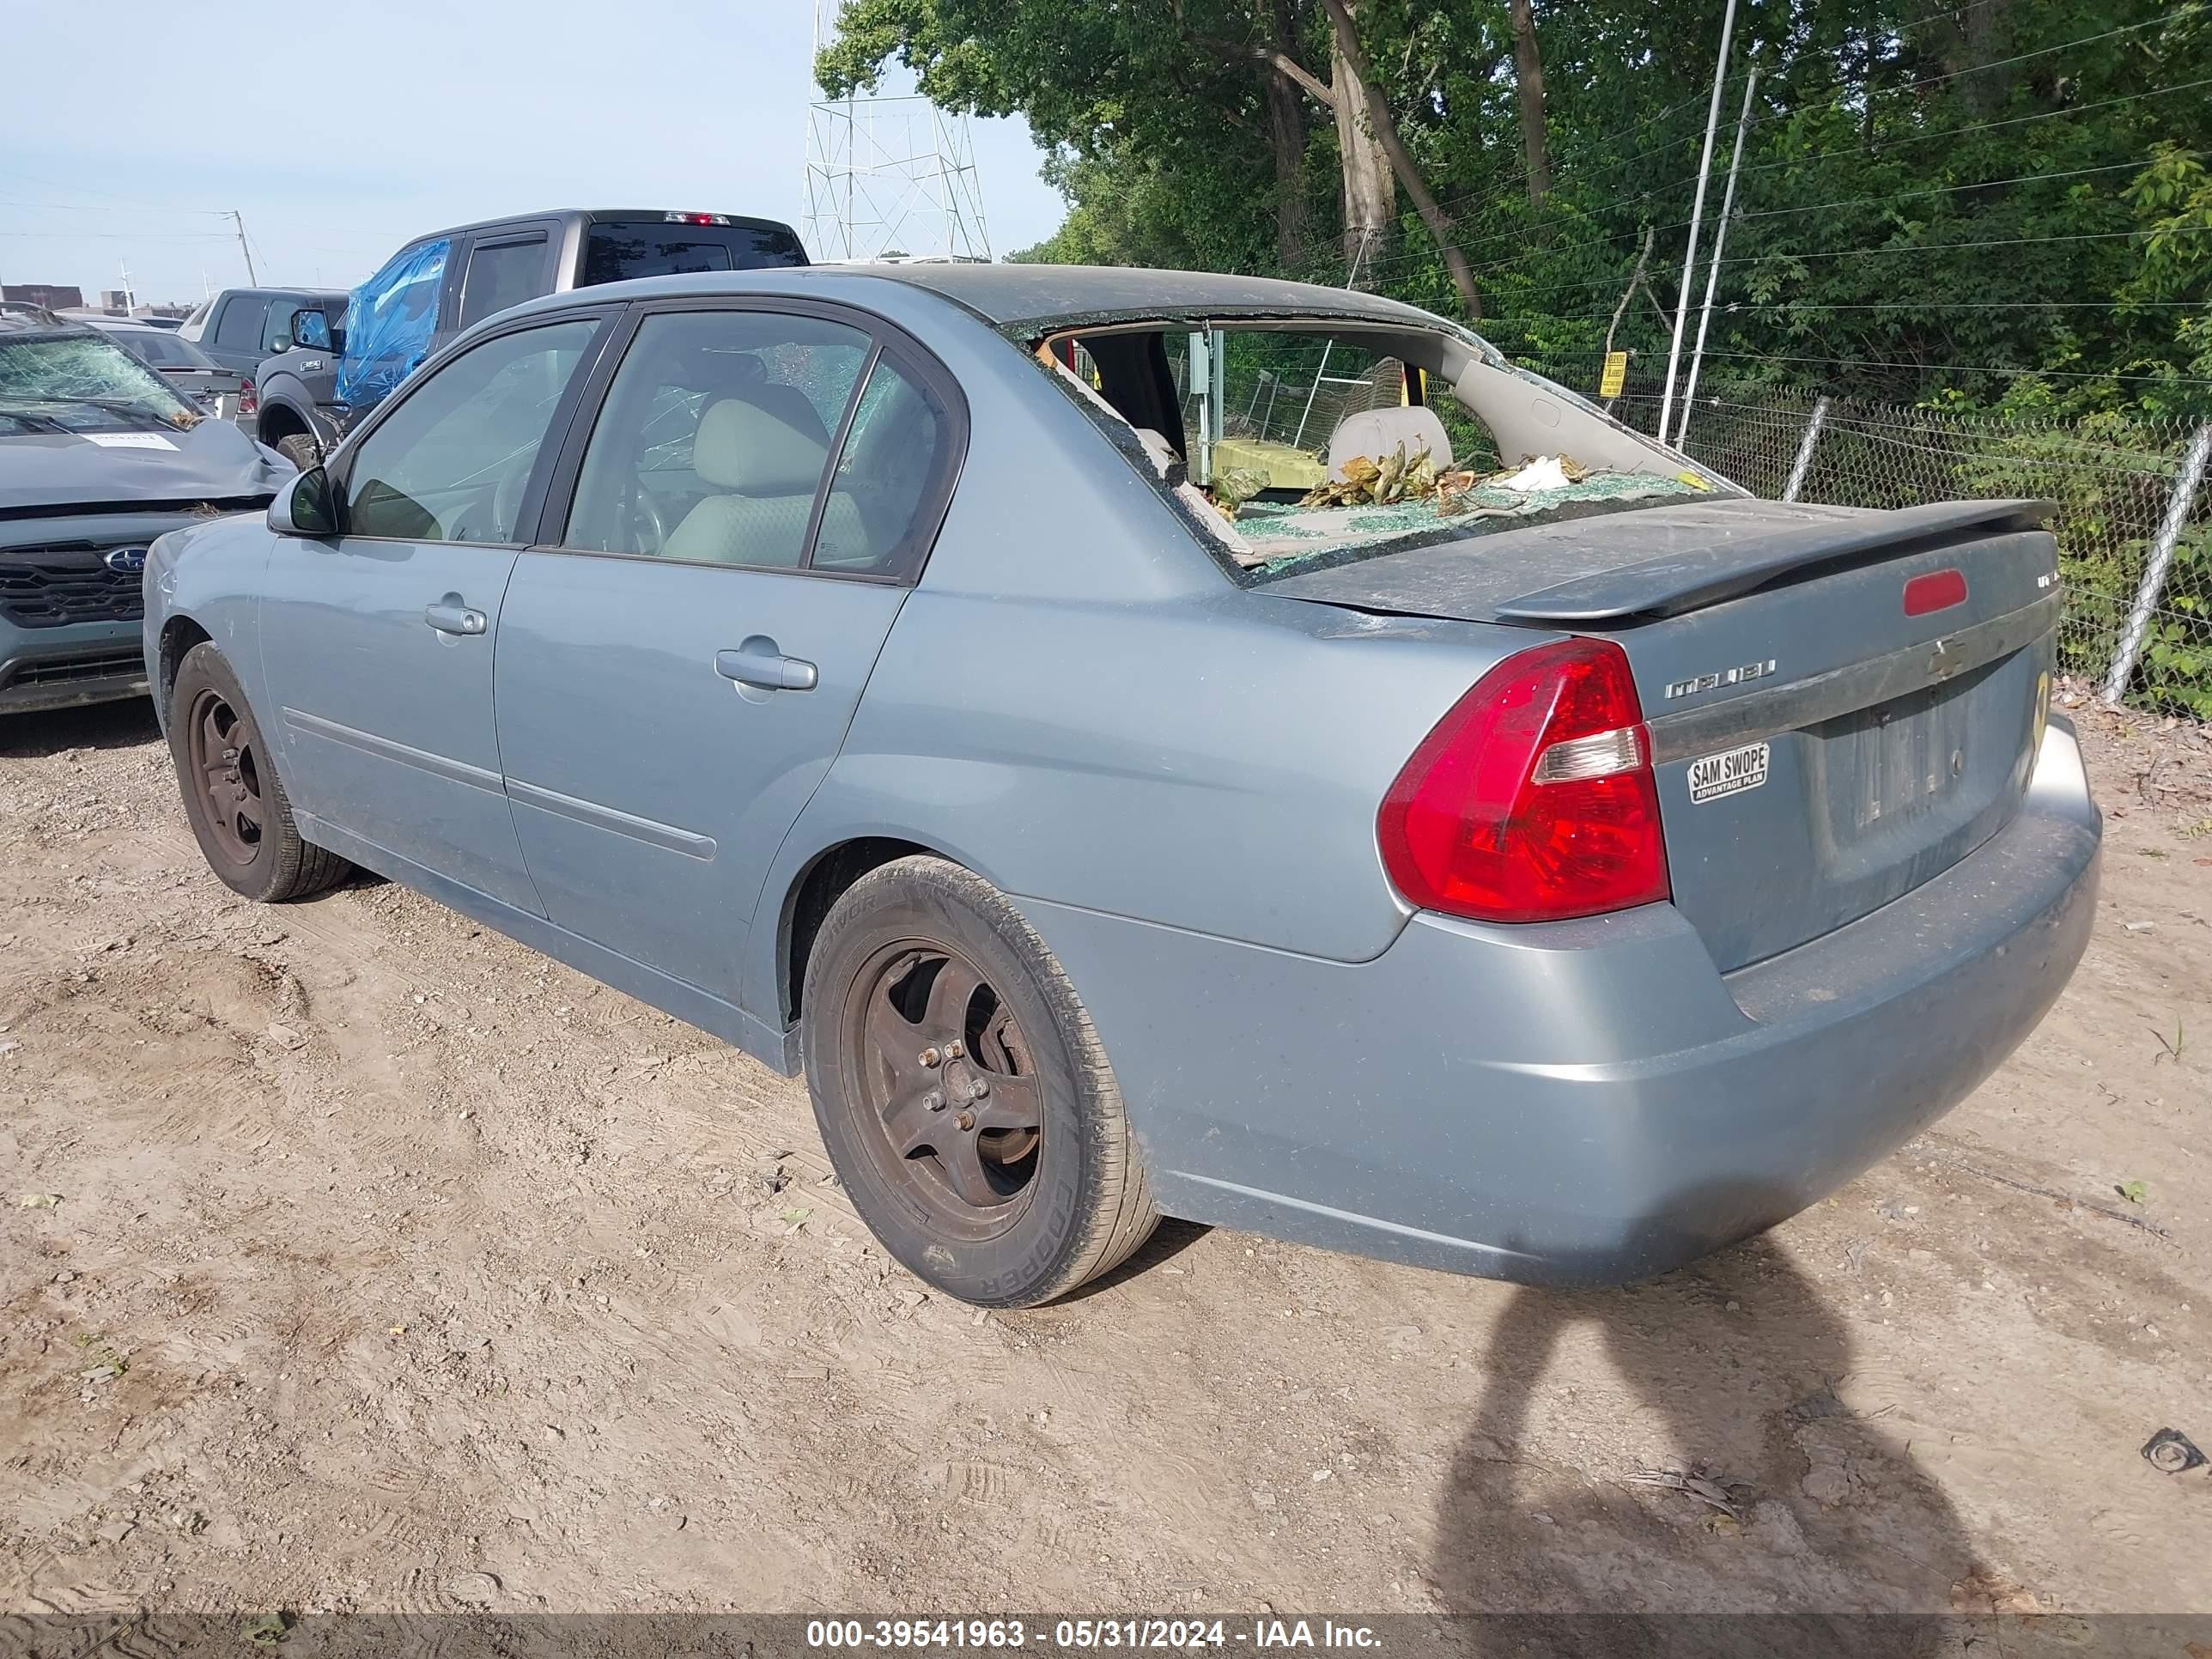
pixel 1290 444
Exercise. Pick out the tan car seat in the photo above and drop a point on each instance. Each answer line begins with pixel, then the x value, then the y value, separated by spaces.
pixel 764 450
pixel 1375 433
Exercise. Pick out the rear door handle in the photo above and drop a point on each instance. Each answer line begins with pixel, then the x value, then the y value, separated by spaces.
pixel 756 662
pixel 451 615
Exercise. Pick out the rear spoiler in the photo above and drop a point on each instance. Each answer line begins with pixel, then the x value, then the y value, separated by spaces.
pixel 1688 582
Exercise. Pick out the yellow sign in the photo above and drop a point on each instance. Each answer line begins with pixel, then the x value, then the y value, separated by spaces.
pixel 1615 376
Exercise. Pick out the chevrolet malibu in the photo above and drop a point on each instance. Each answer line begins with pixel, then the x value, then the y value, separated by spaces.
pixel 1152 743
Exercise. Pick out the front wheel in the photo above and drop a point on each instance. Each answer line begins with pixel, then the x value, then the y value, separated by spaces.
pixel 240 813
pixel 962 1093
pixel 302 451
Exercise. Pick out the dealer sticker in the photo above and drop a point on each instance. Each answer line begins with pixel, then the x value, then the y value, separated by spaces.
pixel 1712 776
pixel 127 440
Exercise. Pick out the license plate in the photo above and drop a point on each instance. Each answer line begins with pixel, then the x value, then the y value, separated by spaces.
pixel 1712 776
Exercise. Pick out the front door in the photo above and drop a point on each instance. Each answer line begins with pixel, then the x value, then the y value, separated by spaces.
pixel 378 644
pixel 676 674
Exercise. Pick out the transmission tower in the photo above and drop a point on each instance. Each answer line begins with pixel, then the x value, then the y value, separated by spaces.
pixel 889 178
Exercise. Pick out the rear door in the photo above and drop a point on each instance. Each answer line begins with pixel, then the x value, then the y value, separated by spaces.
pixel 236 337
pixel 679 662
pixel 378 644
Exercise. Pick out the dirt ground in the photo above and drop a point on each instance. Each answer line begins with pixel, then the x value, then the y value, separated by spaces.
pixel 355 1258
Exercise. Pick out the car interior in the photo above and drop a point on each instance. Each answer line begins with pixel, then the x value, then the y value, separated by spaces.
pixel 1274 428
pixel 713 451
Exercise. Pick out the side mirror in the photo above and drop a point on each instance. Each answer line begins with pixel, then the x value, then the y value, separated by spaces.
pixel 306 507
pixel 311 331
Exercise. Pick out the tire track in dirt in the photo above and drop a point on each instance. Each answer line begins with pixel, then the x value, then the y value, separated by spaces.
pixel 483 1300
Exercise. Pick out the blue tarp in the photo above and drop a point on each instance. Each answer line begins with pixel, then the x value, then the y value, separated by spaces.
pixel 389 322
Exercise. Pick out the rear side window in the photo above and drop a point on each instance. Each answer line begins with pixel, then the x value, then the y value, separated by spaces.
pixel 617 251
pixel 500 275
pixel 881 510
pixel 164 349
pixel 240 325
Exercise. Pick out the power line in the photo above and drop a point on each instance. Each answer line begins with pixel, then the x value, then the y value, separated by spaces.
pixel 2183 10
pixel 82 207
pixel 1946 189
pixel 1965 368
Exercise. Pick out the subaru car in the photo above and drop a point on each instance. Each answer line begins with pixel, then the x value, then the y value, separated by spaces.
pixel 99 455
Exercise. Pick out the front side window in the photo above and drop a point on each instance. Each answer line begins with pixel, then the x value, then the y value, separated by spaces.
pixel 452 462
pixel 714 437
pixel 502 274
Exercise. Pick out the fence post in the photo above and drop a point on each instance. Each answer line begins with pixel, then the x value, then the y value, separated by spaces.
pixel 1804 464
pixel 2162 546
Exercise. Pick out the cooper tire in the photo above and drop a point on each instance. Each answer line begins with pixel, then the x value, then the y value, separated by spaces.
pixel 1058 1193
pixel 234 798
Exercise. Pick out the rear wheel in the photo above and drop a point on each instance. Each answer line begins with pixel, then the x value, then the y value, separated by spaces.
pixel 234 798
pixel 963 1095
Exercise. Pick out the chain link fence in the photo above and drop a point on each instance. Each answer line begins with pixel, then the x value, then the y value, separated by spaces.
pixel 2117 482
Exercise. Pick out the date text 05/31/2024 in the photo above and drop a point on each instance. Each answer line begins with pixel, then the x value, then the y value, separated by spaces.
pixel 953 1635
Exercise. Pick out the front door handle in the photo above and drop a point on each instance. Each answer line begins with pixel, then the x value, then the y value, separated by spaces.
pixel 451 615
pixel 756 662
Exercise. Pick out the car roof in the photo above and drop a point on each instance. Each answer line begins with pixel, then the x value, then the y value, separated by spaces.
pixel 590 215
pixel 1013 297
pixel 14 323
pixel 1024 301
pixel 290 293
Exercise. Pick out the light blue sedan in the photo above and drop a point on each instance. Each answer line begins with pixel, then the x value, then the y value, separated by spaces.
pixel 1146 742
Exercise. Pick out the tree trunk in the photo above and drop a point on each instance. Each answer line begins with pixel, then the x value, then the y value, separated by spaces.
pixel 1983 28
pixel 1528 85
pixel 1361 107
pixel 1286 139
pixel 1370 200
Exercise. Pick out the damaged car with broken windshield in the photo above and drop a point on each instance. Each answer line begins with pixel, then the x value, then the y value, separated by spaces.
pixel 100 454
pixel 1147 743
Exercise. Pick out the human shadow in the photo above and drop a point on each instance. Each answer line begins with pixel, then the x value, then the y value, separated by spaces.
pixel 1727 1373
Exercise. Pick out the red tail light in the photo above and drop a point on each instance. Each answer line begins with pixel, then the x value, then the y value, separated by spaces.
pixel 1532 799
pixel 249 400
pixel 1939 590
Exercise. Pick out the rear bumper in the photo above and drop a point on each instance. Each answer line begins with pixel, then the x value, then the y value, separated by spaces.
pixel 1587 1101
pixel 64 667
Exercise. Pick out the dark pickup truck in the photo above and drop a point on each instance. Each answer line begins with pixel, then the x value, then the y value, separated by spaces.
pixel 439 284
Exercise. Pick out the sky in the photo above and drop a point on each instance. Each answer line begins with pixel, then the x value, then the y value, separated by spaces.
pixel 340 131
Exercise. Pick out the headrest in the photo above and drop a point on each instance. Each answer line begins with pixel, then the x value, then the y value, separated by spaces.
pixel 1375 433
pixel 713 368
pixel 768 442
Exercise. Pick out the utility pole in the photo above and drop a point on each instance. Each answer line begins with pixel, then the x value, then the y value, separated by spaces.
pixel 1696 218
pixel 130 300
pixel 1713 266
pixel 239 219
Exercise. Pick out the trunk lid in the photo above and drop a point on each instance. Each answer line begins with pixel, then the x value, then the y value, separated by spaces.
pixel 1819 750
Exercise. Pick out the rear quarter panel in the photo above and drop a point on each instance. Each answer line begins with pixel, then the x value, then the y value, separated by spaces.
pixel 1080 705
